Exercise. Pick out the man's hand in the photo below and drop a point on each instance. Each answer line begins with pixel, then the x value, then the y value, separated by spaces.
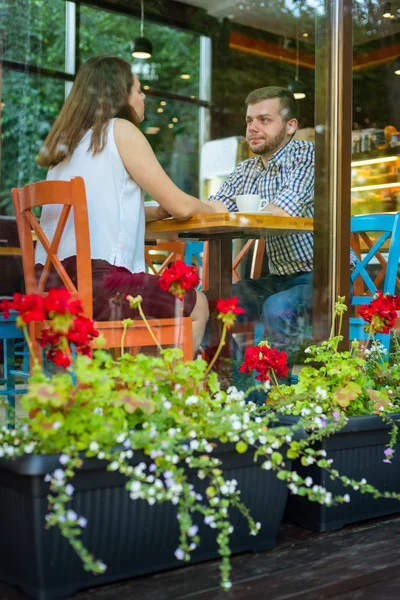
pixel 272 209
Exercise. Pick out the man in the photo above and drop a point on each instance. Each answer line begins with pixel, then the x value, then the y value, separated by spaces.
pixel 282 172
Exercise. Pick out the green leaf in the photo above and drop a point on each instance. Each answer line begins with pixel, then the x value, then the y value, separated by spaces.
pixel 241 447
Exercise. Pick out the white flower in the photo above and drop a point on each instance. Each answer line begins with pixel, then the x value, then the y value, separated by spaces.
pixel 191 400
pixel 321 393
pixel 346 498
pixel 82 521
pixel 29 448
pixel 101 455
pixel 56 425
pixel 71 515
pixel 194 444
pixel 59 475
pixel 318 410
pixel 308 481
pixel 64 458
pixel 192 531
pixel 322 452
pixel 120 438
pixel 179 554
pixel 167 404
pixel 307 350
pixel 47 477
pixel 293 488
pixel 363 480
pixel 135 486
pixel 267 465
pixel 129 454
pixel 69 489
pixel 93 446
pixel 227 585
pixel 98 411
pixel 114 466
pixel 171 431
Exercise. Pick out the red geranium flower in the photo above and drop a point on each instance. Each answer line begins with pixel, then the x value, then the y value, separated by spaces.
pixel 31 308
pixel 179 278
pixel 264 360
pixel 58 357
pixel 380 313
pixel 228 309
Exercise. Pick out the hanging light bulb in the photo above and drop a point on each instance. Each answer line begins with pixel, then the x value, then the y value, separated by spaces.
pixel 387 10
pixel 141 47
pixel 296 87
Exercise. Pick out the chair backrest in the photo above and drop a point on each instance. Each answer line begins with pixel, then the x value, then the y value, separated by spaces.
pixel 159 256
pixel 70 195
pixel 387 226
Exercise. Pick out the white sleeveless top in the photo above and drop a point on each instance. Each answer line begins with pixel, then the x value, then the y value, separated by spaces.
pixel 115 207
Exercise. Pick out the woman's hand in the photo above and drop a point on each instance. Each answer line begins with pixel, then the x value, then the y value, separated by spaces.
pixel 162 213
pixel 218 206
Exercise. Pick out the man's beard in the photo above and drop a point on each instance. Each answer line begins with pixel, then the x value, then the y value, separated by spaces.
pixel 270 145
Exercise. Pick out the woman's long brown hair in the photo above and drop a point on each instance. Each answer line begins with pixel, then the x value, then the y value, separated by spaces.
pixel 100 92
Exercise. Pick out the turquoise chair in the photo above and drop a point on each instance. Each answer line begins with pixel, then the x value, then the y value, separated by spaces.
pixel 13 345
pixel 194 256
pixel 388 226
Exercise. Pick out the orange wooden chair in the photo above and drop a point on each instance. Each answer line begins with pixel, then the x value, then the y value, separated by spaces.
pixel 71 195
pixel 159 256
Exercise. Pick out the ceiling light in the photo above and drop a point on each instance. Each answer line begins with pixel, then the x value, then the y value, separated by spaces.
pixel 171 125
pixel 163 103
pixel 296 87
pixel 185 76
pixel 305 34
pixel 142 47
pixel 160 110
pixel 387 10
pixel 175 119
pixel 146 87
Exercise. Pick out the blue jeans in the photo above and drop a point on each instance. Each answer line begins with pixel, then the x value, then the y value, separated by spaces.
pixel 283 304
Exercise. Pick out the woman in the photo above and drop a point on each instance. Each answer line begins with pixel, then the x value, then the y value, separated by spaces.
pixel 96 136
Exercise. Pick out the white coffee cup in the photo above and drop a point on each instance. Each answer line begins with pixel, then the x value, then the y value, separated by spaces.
pixel 248 202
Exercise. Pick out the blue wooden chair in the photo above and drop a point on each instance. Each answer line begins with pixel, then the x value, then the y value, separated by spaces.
pixel 196 254
pixel 12 338
pixel 366 283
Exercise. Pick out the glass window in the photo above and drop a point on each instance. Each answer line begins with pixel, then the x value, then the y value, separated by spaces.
pixel 376 121
pixel 172 129
pixel 35 32
pixel 175 64
pixel 31 104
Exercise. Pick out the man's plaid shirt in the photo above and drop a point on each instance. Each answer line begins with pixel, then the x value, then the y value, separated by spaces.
pixel 288 182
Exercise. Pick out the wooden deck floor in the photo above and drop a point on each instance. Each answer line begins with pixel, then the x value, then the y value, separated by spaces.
pixel 360 562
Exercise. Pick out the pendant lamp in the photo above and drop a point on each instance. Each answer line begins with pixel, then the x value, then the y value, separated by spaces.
pixel 296 87
pixel 142 47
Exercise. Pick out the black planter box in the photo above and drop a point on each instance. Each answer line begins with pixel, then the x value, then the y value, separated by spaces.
pixel 130 537
pixel 357 452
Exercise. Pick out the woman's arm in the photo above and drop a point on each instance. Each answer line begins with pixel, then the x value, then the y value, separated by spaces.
pixel 144 168
pixel 155 213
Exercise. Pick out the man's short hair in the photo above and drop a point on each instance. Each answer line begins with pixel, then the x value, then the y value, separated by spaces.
pixel 289 107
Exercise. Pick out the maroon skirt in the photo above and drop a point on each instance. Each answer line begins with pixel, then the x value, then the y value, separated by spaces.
pixel 112 284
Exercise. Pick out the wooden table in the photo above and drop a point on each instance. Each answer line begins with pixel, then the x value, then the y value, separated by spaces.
pixel 220 229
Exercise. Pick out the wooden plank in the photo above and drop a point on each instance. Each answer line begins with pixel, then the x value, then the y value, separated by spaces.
pixel 304 566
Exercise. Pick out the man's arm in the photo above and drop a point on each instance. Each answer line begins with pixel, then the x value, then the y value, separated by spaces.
pixel 296 197
pixel 232 187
